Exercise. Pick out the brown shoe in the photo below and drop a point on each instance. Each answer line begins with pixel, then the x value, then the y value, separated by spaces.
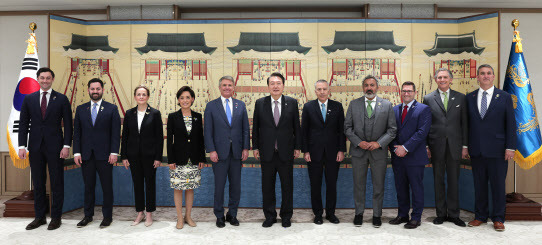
pixel 499 226
pixel 475 223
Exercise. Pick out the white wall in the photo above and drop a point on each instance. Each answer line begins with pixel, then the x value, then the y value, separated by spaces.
pixel 15 31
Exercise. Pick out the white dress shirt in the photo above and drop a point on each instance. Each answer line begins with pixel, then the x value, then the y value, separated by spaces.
pixel 373 103
pixel 488 96
pixel 442 95
pixel 320 103
pixel 230 104
pixel 273 105
pixel 140 116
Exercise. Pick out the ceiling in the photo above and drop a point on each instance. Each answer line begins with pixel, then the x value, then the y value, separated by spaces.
pixel 21 5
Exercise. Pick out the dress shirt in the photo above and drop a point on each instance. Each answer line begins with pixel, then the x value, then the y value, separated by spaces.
pixel 97 111
pixel 140 116
pixel 373 103
pixel 488 96
pixel 442 95
pixel 319 103
pixel 408 109
pixel 273 105
pixel 230 104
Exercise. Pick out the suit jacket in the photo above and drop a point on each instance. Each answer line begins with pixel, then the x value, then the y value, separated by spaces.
pixel 412 133
pixel 265 133
pixel 492 135
pixel 148 141
pixel 180 145
pixel 320 136
pixel 48 129
pixel 383 131
pixel 220 136
pixel 103 138
pixel 447 126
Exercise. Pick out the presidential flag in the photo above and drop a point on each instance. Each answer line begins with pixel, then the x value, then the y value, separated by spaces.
pixel 27 84
pixel 517 83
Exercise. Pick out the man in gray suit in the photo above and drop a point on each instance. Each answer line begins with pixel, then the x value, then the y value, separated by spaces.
pixel 370 126
pixel 447 142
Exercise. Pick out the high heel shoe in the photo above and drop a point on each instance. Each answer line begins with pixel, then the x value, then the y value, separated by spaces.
pixel 190 222
pixel 180 223
pixel 136 222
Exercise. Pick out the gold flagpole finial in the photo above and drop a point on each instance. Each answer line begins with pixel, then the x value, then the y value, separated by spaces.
pixel 515 24
pixel 33 27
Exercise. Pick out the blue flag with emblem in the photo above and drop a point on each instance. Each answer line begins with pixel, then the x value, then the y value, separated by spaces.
pixel 517 83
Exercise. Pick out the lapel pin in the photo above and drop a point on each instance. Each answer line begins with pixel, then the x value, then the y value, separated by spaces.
pixel 453 98
pixel 147 113
pixel 497 96
pixel 54 98
pixel 101 109
pixel 379 103
pixel 195 118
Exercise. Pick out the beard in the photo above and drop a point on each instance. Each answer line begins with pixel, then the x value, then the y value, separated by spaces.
pixel 370 95
pixel 96 96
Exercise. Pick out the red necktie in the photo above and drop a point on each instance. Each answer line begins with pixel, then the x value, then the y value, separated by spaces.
pixel 43 105
pixel 405 111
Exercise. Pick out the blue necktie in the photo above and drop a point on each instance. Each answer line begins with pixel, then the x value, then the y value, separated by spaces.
pixel 94 113
pixel 483 106
pixel 324 111
pixel 228 111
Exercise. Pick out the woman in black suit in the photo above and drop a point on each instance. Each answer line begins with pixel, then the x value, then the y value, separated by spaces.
pixel 186 153
pixel 142 148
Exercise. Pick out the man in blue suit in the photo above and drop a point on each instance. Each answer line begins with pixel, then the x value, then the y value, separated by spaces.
pixel 96 143
pixel 227 140
pixel 492 142
pixel 409 155
pixel 43 112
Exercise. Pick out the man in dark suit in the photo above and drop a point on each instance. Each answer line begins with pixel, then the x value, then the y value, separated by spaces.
pixel 324 145
pixel 43 113
pixel 409 155
pixel 227 140
pixel 96 142
pixel 276 140
pixel 447 145
pixel 492 142
pixel 370 126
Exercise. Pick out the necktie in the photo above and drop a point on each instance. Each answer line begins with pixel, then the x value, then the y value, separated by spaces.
pixel 405 111
pixel 94 113
pixel 369 108
pixel 276 116
pixel 324 112
pixel 276 113
pixel 445 101
pixel 43 105
pixel 483 106
pixel 228 111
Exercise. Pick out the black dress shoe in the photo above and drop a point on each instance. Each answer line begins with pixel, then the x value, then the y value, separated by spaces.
pixel 269 222
pixel 457 221
pixel 36 223
pixel 54 224
pixel 377 222
pixel 439 220
pixel 358 220
pixel 220 222
pixel 398 220
pixel 332 218
pixel 233 220
pixel 286 223
pixel 318 220
pixel 106 222
pixel 86 220
pixel 412 224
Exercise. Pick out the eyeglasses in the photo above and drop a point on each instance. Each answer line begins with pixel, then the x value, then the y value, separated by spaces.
pixel 408 91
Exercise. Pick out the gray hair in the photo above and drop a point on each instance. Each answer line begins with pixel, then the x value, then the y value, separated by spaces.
pixel 485 66
pixel 370 77
pixel 320 81
pixel 443 69
pixel 225 78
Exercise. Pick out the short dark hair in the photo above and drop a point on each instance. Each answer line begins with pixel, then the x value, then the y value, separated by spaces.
pixel 409 83
pixel 142 86
pixel 276 74
pixel 477 71
pixel 95 80
pixel 45 69
pixel 369 77
pixel 184 89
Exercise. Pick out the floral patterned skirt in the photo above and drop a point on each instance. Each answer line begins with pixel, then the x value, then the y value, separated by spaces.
pixel 185 177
